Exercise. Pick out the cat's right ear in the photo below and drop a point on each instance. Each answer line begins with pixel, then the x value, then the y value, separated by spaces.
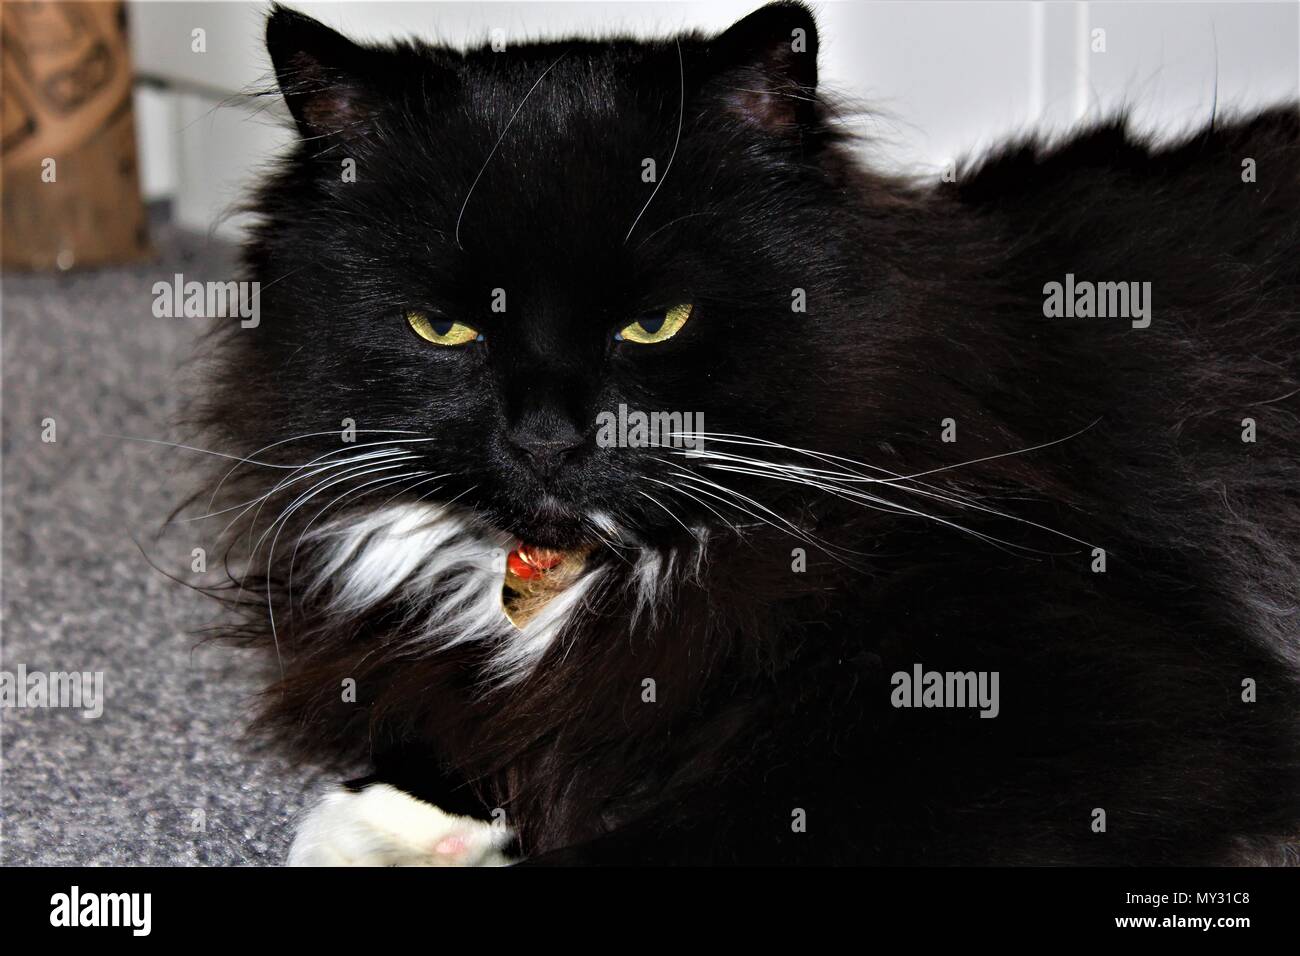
pixel 768 67
pixel 322 75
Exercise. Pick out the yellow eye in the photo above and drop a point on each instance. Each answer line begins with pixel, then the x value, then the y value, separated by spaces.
pixel 656 327
pixel 441 331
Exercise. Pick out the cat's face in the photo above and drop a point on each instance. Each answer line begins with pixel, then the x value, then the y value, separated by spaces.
pixel 492 250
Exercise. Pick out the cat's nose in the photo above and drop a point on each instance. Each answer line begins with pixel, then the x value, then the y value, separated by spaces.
pixel 546 454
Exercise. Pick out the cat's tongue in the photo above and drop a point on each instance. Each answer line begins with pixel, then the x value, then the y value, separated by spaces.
pixel 528 561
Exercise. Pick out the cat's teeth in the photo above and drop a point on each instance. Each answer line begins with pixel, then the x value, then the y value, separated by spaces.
pixel 543 559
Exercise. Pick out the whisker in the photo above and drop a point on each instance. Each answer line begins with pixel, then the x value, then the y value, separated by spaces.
pixel 681 114
pixel 722 436
pixel 828 458
pixel 332 480
pixel 1007 454
pixel 739 532
pixel 791 528
pixel 605 541
pixel 896 480
pixel 281 521
pixel 345 463
pixel 510 122
pixel 894 507
pixel 208 451
pixel 445 474
pixel 386 483
pixel 673 222
pixel 374 456
pixel 769 470
pixel 347 474
pixel 654 500
pixel 382 483
pixel 285 441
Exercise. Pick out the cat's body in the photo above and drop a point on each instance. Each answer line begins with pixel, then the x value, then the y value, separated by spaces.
pixel 1100 540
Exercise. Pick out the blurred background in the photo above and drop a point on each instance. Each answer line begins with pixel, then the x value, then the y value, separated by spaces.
pixel 130 130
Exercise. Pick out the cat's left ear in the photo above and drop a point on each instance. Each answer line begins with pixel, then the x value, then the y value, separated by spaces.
pixel 768 67
pixel 322 75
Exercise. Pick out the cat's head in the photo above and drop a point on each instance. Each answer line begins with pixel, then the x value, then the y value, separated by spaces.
pixel 494 251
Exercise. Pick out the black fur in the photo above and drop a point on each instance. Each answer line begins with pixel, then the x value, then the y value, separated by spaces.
pixel 1119 690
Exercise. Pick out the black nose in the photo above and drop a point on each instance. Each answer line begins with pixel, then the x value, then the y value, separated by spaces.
pixel 546 454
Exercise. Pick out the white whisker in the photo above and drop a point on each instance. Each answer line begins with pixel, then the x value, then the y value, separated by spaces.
pixel 790 528
pixel 285 483
pixel 285 441
pixel 282 521
pixel 681 113
pixel 382 483
pixel 895 480
pixel 497 145
pixel 670 514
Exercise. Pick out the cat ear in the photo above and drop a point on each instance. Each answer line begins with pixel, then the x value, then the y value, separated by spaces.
pixel 770 64
pixel 321 74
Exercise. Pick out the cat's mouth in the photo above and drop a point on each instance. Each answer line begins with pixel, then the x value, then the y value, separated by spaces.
pixel 535 576
pixel 530 561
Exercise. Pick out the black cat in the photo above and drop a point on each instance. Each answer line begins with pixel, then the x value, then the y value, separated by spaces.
pixel 653 479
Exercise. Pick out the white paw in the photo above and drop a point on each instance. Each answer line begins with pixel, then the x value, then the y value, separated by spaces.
pixel 382 826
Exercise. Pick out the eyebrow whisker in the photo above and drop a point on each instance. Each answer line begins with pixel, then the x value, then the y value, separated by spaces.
pixel 510 122
pixel 681 113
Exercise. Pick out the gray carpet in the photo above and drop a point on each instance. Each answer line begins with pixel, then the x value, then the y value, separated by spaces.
pixel 162 777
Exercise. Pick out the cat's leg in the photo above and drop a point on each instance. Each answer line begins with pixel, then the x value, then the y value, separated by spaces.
pixel 380 825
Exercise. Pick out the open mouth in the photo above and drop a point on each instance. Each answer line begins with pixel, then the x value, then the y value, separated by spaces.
pixel 535 576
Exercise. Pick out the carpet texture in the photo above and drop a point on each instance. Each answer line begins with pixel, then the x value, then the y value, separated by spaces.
pixel 163 776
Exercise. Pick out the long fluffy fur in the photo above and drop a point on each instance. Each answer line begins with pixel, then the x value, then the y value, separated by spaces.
pixel 771 687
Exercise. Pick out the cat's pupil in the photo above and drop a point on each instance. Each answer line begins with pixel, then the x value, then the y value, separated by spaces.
pixel 652 323
pixel 441 326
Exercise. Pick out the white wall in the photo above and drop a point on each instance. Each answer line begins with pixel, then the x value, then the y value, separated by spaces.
pixel 939 79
